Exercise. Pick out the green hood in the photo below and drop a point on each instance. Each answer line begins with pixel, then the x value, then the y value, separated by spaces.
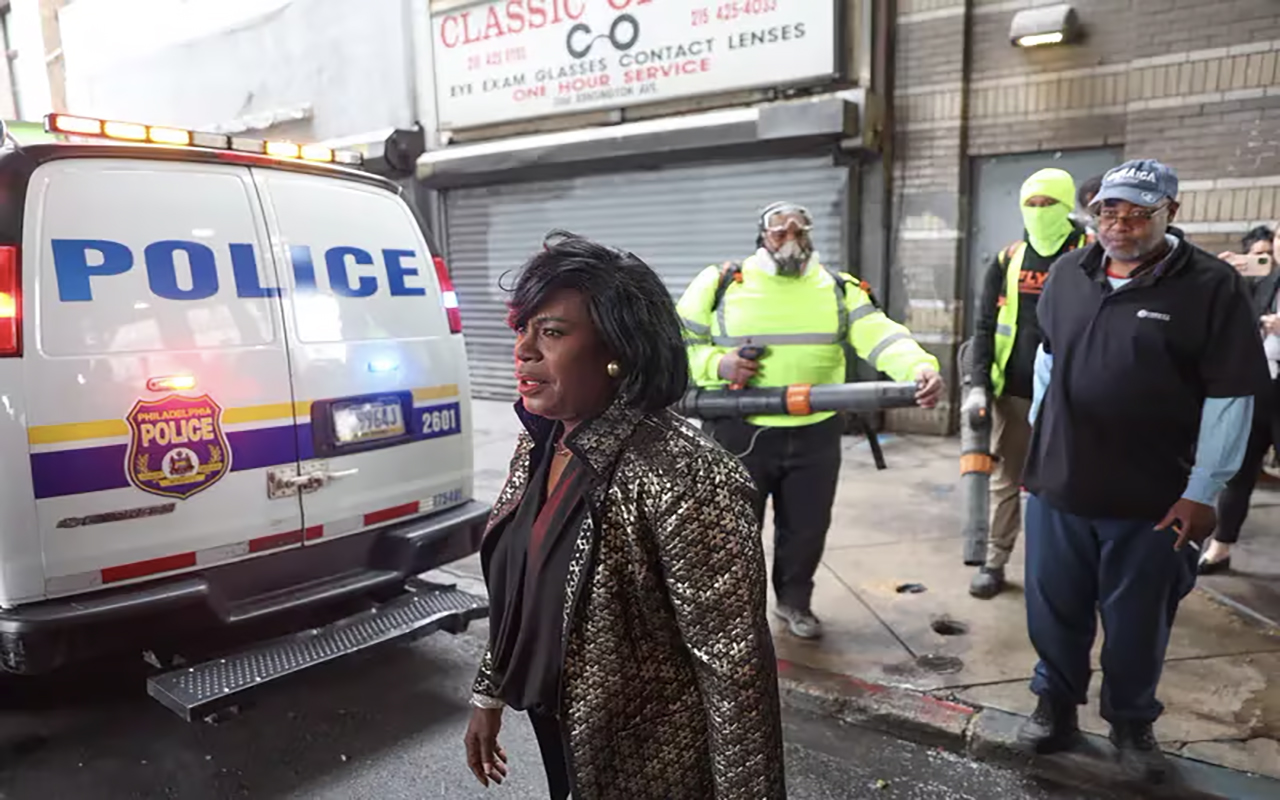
pixel 1048 228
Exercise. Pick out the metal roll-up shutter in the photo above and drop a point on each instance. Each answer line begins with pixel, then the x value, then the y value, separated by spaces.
pixel 678 219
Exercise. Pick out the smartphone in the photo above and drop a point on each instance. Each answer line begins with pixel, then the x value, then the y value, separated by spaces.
pixel 1256 266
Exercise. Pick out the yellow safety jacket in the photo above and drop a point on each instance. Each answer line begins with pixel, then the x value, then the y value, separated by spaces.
pixel 1007 317
pixel 803 321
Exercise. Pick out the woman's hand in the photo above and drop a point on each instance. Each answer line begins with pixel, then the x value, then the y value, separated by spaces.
pixel 1271 323
pixel 487 759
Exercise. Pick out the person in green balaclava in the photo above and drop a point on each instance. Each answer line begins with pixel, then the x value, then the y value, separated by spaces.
pixel 1004 350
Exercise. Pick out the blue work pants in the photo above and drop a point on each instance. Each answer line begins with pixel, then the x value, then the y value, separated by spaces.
pixel 1122 570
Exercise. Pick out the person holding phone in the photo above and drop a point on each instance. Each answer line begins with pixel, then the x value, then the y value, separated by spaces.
pixel 1256 258
pixel 1233 505
pixel 1144 390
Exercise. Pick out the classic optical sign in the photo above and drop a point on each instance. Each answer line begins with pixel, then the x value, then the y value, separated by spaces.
pixel 503 60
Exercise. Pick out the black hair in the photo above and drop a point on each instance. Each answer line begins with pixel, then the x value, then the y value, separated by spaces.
pixel 1088 189
pixel 629 305
pixel 1259 234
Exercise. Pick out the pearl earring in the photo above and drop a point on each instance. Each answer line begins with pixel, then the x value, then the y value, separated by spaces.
pixel 614 369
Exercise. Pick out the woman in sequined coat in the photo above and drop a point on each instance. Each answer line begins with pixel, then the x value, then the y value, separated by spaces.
pixel 623 558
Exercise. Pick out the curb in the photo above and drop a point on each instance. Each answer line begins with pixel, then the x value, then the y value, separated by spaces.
pixel 990 735
pixel 1265 622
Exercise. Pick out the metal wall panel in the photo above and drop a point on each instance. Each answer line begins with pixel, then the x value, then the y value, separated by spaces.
pixel 997 220
pixel 678 219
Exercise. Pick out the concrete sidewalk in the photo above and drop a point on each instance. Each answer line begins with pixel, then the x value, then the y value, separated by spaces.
pixel 893 593
pixel 908 650
pixel 1253 585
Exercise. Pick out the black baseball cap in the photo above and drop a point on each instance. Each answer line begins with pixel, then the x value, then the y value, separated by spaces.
pixel 1143 182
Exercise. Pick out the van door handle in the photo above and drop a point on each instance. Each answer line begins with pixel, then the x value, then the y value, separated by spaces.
pixel 323 479
pixel 306 484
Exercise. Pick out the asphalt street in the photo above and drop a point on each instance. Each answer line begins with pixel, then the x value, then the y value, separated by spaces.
pixel 385 725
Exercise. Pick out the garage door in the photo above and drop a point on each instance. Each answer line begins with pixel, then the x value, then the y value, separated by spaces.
pixel 678 220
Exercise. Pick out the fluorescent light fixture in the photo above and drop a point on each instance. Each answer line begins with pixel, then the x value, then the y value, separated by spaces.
pixel 1037 39
pixel 1046 25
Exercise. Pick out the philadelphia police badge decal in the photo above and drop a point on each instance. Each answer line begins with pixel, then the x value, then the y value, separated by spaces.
pixel 176 447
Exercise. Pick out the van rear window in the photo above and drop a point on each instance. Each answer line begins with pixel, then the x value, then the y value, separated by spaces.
pixel 359 267
pixel 147 256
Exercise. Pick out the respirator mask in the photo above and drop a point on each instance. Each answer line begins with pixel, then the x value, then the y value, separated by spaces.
pixel 785 229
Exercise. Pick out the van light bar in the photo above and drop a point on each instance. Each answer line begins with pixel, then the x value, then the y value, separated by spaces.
pixel 125 130
pixel 180 137
pixel 248 145
pixel 217 141
pixel 64 123
pixel 175 136
pixel 284 150
pixel 315 152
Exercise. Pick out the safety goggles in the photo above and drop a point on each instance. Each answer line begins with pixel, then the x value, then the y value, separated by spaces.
pixel 792 219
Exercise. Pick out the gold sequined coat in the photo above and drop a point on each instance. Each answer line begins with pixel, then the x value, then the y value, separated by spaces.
pixel 669 688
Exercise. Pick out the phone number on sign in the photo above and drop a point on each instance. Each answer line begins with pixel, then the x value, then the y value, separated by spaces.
pixel 731 11
pixel 497 58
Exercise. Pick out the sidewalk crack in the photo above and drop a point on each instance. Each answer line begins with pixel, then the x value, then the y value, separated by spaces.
pixel 872 611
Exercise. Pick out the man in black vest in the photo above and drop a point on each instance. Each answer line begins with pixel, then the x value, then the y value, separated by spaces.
pixel 1145 387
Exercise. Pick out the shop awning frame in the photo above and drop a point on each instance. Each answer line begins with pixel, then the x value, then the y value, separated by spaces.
pixel 834 117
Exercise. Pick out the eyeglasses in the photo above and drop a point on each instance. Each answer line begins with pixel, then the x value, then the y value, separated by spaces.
pixel 1110 216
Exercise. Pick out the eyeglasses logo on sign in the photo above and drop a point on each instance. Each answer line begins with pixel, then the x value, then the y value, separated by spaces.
pixel 614 35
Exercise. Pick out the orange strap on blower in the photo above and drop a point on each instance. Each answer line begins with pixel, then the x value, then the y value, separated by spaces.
pixel 798 400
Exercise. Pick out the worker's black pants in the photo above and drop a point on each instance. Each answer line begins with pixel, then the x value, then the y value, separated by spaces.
pixel 1120 569
pixel 799 468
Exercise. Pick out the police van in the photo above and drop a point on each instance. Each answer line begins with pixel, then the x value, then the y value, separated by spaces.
pixel 233 388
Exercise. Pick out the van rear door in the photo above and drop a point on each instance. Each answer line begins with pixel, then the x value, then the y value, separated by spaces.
pixel 156 370
pixel 380 376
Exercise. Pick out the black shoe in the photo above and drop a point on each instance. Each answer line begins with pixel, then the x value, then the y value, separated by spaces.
pixel 988 583
pixel 1054 727
pixel 1139 753
pixel 1213 567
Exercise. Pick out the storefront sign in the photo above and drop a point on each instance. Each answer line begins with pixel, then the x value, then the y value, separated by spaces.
pixel 503 60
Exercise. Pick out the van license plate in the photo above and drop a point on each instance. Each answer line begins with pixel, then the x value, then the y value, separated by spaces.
pixel 368 421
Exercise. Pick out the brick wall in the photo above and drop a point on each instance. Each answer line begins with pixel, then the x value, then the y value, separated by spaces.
pixel 1195 83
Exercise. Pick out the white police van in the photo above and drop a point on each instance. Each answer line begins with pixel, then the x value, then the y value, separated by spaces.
pixel 234 388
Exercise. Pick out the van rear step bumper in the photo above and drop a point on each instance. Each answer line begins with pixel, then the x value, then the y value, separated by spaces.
pixel 172 614
pixel 199 691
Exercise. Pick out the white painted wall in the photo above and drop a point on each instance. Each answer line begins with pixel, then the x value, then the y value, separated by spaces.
pixel 321 68
pixel 30 72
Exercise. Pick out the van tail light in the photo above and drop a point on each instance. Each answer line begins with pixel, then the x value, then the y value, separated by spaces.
pixel 448 297
pixel 10 302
